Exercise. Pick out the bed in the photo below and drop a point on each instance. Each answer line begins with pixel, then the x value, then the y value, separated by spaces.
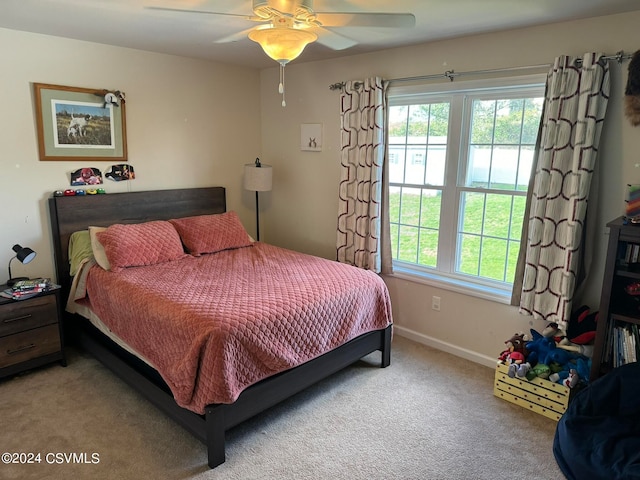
pixel 144 370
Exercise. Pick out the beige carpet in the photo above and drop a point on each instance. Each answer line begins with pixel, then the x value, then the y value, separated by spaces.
pixel 429 415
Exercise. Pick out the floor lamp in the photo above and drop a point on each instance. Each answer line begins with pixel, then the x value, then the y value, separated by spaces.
pixel 257 178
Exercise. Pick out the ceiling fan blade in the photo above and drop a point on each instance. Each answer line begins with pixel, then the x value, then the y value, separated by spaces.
pixel 386 20
pixel 182 10
pixel 234 37
pixel 333 40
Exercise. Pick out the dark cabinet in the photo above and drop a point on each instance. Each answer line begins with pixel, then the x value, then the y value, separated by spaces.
pixel 30 332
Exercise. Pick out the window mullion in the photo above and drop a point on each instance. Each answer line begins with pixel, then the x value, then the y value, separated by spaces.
pixel 449 211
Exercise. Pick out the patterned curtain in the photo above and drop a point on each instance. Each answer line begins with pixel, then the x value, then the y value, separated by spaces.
pixel 576 97
pixel 363 148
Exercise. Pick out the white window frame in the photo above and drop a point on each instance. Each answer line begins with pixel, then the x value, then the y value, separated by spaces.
pixel 443 276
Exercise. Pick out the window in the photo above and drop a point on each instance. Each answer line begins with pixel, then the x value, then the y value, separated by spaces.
pixel 458 182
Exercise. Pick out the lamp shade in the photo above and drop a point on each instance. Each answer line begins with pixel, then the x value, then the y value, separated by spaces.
pixel 24 254
pixel 257 178
pixel 282 44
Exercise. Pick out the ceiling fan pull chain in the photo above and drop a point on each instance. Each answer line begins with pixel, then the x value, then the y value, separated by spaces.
pixel 281 84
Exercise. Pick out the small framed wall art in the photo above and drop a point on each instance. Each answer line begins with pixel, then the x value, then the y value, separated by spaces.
pixel 80 123
pixel 311 137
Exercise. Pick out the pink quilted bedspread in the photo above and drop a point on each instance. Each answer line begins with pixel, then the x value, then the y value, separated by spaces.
pixel 216 324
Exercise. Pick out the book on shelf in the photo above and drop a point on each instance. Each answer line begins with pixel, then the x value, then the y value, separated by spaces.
pixel 636 339
pixel 632 254
pixel 624 344
pixel 608 353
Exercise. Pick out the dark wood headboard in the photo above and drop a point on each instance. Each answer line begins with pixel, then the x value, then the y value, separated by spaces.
pixel 73 213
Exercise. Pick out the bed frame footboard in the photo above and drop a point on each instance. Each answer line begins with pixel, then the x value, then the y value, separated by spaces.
pixel 270 392
pixel 210 428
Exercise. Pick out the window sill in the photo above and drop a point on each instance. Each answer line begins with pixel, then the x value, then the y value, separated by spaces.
pixel 457 285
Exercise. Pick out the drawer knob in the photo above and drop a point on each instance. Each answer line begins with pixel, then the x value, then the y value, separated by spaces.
pixel 21 349
pixel 22 317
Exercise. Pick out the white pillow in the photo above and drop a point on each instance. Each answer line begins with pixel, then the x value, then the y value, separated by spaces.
pixel 98 250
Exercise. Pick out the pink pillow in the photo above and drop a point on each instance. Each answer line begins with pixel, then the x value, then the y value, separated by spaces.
pixel 211 233
pixel 140 244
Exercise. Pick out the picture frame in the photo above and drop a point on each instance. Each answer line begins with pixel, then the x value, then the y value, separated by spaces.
pixel 79 124
pixel 311 137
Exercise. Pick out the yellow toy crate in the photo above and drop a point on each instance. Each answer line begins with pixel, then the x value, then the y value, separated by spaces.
pixel 538 395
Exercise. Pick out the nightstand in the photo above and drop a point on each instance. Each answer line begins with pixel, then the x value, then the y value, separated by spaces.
pixel 30 332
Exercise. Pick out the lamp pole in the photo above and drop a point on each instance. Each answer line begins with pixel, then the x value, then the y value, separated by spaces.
pixel 257 218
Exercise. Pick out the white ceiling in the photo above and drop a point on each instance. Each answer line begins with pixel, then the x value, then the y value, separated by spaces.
pixel 127 23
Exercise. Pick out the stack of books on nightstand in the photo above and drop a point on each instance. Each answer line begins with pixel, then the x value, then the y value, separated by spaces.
pixel 28 288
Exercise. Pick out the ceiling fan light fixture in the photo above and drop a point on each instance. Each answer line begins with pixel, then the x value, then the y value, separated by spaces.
pixel 282 44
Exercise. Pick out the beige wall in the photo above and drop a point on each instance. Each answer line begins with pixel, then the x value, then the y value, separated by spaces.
pixel 189 124
pixel 300 212
pixel 195 123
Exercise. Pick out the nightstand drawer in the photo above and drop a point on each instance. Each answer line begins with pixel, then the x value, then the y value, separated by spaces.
pixel 28 314
pixel 30 344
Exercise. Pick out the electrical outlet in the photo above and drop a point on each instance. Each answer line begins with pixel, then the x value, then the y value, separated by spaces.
pixel 435 303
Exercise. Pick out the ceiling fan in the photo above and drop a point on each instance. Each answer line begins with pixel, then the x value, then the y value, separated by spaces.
pixel 288 26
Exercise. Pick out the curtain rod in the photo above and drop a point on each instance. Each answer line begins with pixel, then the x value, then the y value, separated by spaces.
pixel 451 74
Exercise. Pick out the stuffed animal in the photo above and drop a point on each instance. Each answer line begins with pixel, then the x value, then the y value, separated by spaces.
pixel 574 373
pixel 543 350
pixel 583 367
pixel 551 330
pixel 582 326
pixel 585 350
pixel 515 344
pixel 572 380
pixel 539 370
pixel 517 365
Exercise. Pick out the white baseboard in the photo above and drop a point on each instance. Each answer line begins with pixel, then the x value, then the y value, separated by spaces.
pixel 446 347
